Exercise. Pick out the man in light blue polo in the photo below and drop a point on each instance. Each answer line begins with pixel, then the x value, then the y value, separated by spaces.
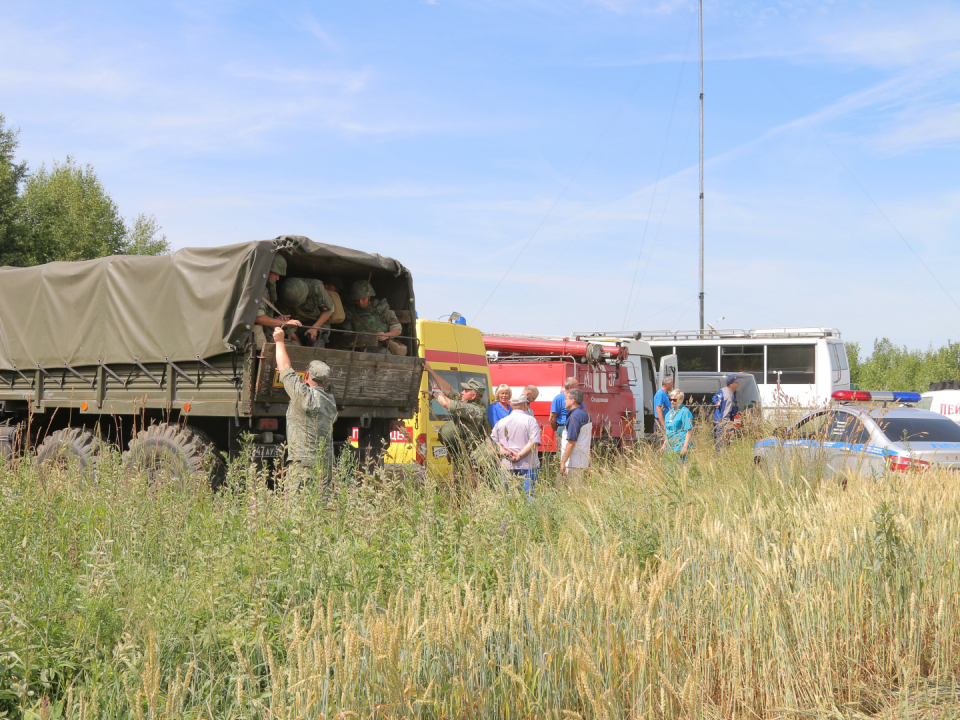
pixel 559 412
pixel 662 404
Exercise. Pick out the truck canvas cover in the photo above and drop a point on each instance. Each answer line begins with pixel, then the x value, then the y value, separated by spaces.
pixel 194 302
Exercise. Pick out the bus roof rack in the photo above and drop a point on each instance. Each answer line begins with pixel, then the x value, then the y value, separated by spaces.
pixel 725 334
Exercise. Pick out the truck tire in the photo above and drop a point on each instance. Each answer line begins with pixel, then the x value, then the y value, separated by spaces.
pixel 9 438
pixel 70 445
pixel 174 451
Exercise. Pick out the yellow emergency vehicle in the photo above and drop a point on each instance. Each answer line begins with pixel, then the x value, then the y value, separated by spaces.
pixel 457 354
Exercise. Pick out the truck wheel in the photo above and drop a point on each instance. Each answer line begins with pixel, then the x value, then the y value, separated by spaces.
pixel 174 451
pixel 70 445
pixel 9 438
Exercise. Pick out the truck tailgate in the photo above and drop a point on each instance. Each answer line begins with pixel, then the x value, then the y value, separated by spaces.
pixel 375 384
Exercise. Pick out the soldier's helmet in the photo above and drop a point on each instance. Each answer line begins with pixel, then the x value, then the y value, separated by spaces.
pixel 294 292
pixel 361 289
pixel 319 371
pixel 279 265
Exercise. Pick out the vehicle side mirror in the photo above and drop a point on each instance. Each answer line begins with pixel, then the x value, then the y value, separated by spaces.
pixel 780 432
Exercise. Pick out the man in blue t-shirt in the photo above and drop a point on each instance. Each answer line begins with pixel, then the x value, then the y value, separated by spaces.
pixel 559 412
pixel 662 404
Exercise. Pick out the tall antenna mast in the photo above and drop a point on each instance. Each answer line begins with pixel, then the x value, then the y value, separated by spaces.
pixel 701 166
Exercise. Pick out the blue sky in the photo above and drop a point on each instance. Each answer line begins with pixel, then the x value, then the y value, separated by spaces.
pixel 534 163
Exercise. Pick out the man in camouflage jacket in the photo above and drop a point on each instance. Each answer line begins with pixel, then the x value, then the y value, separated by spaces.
pixel 465 434
pixel 370 315
pixel 267 315
pixel 310 416
pixel 308 302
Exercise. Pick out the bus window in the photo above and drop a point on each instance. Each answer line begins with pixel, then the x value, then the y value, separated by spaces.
pixel 699 357
pixel 455 378
pixel 742 358
pixel 797 364
pixel 659 352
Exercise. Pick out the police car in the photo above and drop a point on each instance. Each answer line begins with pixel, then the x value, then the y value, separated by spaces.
pixel 866 433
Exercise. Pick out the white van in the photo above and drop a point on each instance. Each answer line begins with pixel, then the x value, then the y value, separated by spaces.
pixel 943 398
pixel 793 367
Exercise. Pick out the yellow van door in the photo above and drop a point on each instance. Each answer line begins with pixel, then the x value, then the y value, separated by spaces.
pixel 457 354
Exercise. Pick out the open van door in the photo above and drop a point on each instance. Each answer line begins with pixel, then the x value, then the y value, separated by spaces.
pixel 668 369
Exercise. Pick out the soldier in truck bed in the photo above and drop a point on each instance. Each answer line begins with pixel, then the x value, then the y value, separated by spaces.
pixel 308 302
pixel 267 315
pixel 370 315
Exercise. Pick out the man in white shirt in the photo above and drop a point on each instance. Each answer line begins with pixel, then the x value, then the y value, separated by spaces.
pixel 578 435
pixel 517 437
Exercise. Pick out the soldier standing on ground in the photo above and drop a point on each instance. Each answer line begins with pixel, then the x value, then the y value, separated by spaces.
pixel 267 313
pixel 308 302
pixel 310 417
pixel 468 429
pixel 372 315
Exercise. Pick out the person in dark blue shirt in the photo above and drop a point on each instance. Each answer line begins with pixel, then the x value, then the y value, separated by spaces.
pixel 559 412
pixel 662 404
pixel 577 439
pixel 725 412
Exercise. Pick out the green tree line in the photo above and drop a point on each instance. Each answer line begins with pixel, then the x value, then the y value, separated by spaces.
pixel 63 213
pixel 891 367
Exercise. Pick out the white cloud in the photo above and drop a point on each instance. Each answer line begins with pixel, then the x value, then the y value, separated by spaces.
pixel 919 127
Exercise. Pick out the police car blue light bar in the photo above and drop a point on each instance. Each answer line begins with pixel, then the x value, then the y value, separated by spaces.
pixel 876 396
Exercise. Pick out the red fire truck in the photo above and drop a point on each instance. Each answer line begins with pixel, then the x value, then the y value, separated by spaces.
pixel 606 376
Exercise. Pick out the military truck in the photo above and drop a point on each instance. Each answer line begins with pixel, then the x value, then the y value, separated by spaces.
pixel 156 355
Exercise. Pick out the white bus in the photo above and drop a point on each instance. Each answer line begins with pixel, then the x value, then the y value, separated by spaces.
pixel 792 366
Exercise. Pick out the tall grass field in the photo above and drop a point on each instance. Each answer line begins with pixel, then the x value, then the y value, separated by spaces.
pixel 714 590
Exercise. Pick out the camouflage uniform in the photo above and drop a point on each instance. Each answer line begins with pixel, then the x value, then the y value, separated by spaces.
pixel 310 417
pixel 307 306
pixel 467 430
pixel 279 266
pixel 377 317
pixel 269 295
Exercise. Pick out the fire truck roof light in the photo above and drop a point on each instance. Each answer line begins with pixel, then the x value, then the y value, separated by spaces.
pixel 876 396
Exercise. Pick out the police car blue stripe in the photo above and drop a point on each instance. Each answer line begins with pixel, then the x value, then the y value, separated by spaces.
pixel 869 449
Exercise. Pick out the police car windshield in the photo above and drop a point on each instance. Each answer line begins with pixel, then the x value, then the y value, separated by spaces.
pixel 905 429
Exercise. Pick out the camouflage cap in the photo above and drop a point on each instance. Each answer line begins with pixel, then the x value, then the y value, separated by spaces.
pixel 473 384
pixel 361 289
pixel 294 291
pixel 279 265
pixel 319 371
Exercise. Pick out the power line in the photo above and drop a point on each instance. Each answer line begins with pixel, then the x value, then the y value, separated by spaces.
pixel 659 312
pixel 663 213
pixel 656 184
pixel 870 198
pixel 583 162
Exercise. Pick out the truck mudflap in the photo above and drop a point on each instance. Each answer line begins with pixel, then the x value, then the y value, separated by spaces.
pixel 372 384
